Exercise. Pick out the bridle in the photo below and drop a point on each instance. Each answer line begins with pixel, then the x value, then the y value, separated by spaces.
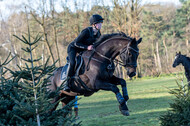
pixel 110 59
pixel 118 61
pixel 127 49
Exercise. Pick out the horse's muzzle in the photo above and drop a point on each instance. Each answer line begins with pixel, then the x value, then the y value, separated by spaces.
pixel 131 72
pixel 174 65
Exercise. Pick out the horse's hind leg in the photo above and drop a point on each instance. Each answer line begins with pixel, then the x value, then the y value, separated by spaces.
pixel 66 100
pixel 112 87
pixel 119 81
pixel 52 87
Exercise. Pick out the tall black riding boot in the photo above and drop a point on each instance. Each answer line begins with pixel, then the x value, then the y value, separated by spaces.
pixel 67 84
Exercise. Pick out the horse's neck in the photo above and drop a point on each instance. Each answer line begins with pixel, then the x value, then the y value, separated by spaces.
pixel 186 64
pixel 112 48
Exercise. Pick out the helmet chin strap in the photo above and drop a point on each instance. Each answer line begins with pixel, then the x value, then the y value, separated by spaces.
pixel 96 28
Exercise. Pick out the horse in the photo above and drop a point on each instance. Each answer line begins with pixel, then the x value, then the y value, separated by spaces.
pixel 99 68
pixel 185 61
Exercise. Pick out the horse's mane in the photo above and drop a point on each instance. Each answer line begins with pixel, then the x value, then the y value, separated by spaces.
pixel 108 36
pixel 187 67
pixel 187 58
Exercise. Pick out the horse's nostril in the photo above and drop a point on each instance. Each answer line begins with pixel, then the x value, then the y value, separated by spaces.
pixel 132 74
pixel 174 65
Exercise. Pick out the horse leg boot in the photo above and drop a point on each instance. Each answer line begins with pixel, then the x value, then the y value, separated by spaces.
pixel 124 90
pixel 111 87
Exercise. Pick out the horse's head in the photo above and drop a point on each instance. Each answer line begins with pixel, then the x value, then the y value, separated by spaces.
pixel 178 59
pixel 129 57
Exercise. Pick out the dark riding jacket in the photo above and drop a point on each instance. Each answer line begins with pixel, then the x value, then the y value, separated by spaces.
pixel 85 38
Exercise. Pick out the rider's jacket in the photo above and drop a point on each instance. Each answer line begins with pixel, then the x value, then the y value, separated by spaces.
pixel 85 38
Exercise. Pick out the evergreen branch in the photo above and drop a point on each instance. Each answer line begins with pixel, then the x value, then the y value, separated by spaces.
pixel 34 47
pixel 19 67
pixel 26 50
pixel 20 39
pixel 27 67
pixel 17 116
pixel 46 62
pixel 38 83
pixel 36 40
pixel 10 60
pixel 28 60
pixel 4 72
pixel 12 72
pixel 36 60
pixel 36 37
pixel 28 42
pixel 6 60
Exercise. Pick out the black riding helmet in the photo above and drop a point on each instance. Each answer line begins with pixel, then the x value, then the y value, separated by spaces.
pixel 96 18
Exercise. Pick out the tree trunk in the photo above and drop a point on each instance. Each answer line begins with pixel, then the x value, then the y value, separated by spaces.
pixel 42 24
pixel 48 45
pixel 139 72
pixel 55 31
pixel 1 72
pixel 158 57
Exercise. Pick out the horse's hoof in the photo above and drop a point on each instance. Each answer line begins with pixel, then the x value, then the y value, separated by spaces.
pixel 124 109
pixel 125 112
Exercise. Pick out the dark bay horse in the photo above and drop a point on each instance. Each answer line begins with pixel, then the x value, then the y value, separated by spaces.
pixel 185 61
pixel 99 75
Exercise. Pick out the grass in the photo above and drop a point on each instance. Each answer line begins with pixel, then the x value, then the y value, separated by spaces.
pixel 148 100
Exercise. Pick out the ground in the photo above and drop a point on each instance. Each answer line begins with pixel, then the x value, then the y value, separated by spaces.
pixel 149 98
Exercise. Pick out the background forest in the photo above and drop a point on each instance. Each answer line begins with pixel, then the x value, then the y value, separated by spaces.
pixel 165 29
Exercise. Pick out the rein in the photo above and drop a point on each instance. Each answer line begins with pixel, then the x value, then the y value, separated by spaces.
pixel 118 61
pixel 110 59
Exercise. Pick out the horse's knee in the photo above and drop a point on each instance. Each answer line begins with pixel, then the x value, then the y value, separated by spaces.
pixel 115 89
pixel 123 82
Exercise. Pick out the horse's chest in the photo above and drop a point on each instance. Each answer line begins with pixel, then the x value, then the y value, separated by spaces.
pixel 187 74
pixel 107 71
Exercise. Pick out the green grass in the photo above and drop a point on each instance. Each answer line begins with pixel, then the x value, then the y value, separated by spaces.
pixel 148 100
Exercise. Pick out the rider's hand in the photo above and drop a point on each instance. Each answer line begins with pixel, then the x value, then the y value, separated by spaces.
pixel 90 47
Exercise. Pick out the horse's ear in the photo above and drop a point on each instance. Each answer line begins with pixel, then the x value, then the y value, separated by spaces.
pixel 139 41
pixel 133 41
pixel 179 53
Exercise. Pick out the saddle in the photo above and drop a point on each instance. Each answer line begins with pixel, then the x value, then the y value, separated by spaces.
pixel 79 70
pixel 79 67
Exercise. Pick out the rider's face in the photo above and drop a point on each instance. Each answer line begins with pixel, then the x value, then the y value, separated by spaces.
pixel 98 25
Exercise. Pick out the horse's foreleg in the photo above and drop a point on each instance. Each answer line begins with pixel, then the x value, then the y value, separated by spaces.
pixel 112 87
pixel 122 82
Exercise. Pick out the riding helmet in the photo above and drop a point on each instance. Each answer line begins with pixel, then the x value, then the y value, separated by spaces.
pixel 96 18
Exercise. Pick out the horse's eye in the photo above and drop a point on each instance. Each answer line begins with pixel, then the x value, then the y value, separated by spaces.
pixel 130 54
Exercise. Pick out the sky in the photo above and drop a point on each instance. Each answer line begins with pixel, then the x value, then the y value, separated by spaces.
pixel 9 6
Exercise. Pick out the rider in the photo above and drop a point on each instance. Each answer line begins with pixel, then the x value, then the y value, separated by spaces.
pixel 83 42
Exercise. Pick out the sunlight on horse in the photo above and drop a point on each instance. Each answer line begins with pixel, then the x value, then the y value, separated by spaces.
pixel 185 61
pixel 99 68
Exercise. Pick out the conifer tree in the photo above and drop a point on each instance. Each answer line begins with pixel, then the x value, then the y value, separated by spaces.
pixel 24 98
pixel 179 113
